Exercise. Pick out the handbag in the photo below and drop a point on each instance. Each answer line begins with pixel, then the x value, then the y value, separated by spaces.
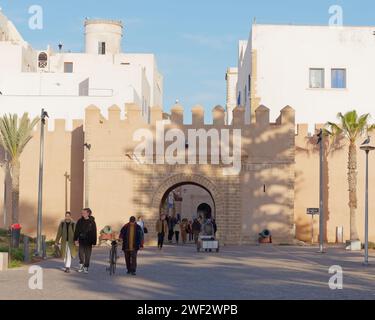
pixel 57 252
pixel 145 230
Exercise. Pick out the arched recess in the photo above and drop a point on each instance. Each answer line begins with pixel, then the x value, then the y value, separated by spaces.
pixel 180 179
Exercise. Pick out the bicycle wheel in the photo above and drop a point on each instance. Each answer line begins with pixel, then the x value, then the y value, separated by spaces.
pixel 112 261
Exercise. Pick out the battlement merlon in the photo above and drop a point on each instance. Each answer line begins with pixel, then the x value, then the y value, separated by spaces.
pixel 134 116
pixel 60 126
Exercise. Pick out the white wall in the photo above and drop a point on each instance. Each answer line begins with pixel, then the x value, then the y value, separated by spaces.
pixel 108 79
pixel 286 53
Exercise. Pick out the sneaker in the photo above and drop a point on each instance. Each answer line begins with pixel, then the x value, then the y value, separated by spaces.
pixel 86 270
pixel 67 270
pixel 133 274
pixel 80 269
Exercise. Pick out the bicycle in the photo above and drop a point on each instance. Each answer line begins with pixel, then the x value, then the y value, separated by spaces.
pixel 113 257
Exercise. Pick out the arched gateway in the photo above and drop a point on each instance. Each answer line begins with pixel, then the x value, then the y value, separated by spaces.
pixel 177 180
pixel 251 190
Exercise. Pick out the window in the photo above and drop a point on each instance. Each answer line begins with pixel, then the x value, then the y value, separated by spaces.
pixel 338 78
pixel 316 78
pixel 42 60
pixel 101 49
pixel 239 99
pixel 68 67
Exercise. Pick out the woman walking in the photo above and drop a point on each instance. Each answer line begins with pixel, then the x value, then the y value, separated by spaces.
pixel 65 233
pixel 184 230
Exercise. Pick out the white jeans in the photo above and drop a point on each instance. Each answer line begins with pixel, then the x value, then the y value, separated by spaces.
pixel 68 257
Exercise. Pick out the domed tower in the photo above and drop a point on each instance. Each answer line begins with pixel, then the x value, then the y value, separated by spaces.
pixel 103 36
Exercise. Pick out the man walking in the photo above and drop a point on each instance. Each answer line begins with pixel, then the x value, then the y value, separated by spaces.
pixel 131 235
pixel 162 230
pixel 85 236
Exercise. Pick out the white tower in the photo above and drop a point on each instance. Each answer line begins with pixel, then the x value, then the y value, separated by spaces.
pixel 103 36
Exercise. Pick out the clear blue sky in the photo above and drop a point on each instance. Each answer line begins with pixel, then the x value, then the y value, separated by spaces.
pixel 194 40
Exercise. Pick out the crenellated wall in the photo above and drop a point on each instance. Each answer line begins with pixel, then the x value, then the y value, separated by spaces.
pixel 260 196
pixel 277 180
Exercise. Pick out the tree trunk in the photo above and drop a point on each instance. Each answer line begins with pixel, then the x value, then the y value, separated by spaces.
pixel 15 175
pixel 352 180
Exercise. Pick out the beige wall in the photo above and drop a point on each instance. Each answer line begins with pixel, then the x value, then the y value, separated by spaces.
pixel 336 190
pixel 63 153
pixel 278 181
pixel 119 187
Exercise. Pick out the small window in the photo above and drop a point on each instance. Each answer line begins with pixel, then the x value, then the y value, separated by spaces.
pixel 101 48
pixel 338 78
pixel 42 60
pixel 68 67
pixel 239 99
pixel 316 78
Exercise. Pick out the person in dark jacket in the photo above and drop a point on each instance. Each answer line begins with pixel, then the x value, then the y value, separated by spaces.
pixel 132 236
pixel 85 236
pixel 196 228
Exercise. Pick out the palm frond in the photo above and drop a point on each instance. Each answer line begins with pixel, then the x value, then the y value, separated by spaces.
pixel 15 133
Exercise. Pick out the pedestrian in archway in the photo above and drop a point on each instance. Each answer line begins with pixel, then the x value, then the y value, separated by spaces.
pixel 184 230
pixel 132 236
pixel 196 228
pixel 177 230
pixel 162 230
pixel 190 230
pixel 65 233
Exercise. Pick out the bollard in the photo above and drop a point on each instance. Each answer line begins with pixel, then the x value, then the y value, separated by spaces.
pixel 26 249
pixel 4 257
pixel 44 247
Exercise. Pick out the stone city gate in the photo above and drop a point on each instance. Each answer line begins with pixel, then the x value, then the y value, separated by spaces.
pixel 261 196
pixel 214 190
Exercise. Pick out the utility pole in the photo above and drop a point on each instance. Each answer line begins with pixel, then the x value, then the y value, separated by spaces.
pixel 39 248
pixel 321 190
pixel 5 213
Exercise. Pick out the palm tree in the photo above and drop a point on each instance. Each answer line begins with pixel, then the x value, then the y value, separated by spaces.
pixel 352 127
pixel 15 134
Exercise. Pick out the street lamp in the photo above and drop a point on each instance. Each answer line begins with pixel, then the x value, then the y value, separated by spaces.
pixel 39 246
pixel 87 148
pixel 321 191
pixel 367 147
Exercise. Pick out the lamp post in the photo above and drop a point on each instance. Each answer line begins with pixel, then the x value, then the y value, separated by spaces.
pixel 39 248
pixel 367 148
pixel 87 148
pixel 321 191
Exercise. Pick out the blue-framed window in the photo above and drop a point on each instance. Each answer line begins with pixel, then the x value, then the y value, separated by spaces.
pixel 338 78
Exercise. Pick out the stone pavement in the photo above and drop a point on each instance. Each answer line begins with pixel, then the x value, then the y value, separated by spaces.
pixel 248 272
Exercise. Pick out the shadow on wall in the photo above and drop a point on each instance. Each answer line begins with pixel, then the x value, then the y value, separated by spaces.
pixel 55 196
pixel 309 149
pixel 260 197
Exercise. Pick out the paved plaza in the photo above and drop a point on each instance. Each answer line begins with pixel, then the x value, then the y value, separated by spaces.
pixel 248 272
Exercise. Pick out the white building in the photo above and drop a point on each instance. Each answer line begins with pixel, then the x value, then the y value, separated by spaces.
pixel 65 83
pixel 318 70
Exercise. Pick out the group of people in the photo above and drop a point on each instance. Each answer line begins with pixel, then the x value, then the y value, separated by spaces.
pixel 83 235
pixel 174 227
